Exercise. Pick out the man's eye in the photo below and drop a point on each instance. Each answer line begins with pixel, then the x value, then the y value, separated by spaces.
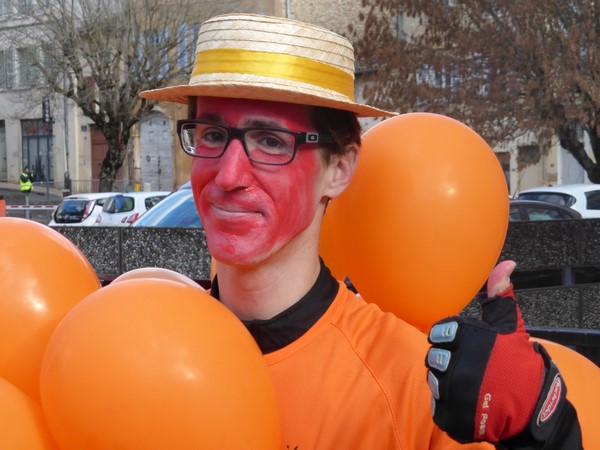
pixel 213 136
pixel 271 142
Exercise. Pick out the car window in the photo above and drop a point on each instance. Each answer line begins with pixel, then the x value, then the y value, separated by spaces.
pixel 514 214
pixel 70 211
pixel 536 213
pixel 551 197
pixel 118 204
pixel 593 200
pixel 150 202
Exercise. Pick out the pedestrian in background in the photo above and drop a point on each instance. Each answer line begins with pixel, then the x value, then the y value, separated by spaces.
pixel 26 181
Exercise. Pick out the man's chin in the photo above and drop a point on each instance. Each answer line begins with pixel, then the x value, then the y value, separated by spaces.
pixel 235 255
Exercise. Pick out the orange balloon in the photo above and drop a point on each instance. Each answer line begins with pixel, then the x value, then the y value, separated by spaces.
pixel 424 220
pixel 156 365
pixel 155 272
pixel 582 378
pixel 42 276
pixel 22 425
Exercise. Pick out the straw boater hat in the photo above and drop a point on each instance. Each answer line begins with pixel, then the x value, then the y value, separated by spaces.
pixel 271 58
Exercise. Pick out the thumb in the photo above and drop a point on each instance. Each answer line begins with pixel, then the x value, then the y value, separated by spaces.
pixel 499 309
pixel 499 280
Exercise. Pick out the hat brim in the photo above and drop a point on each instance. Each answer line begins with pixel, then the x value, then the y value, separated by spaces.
pixel 182 93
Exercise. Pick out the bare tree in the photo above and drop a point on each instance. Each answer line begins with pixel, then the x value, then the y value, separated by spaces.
pixel 102 53
pixel 505 67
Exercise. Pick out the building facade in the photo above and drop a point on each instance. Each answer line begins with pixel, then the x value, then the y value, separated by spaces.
pixel 46 133
pixel 49 133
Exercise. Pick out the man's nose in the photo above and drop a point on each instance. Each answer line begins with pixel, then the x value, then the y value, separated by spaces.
pixel 234 170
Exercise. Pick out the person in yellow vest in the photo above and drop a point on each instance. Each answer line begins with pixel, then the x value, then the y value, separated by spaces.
pixel 273 131
pixel 26 181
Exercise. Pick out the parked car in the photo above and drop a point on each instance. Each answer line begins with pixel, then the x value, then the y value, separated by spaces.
pixel 79 209
pixel 176 210
pixel 583 198
pixel 521 210
pixel 121 210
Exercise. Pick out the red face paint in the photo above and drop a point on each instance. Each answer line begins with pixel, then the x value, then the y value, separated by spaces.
pixel 250 211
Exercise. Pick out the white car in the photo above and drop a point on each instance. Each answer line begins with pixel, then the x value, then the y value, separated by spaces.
pixel 79 209
pixel 121 210
pixel 583 198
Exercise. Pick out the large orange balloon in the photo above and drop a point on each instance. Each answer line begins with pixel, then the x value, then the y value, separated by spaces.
pixel 156 365
pixel 22 425
pixel 42 276
pixel 582 378
pixel 424 220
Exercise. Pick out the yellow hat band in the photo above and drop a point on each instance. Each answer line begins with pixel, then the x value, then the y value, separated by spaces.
pixel 276 65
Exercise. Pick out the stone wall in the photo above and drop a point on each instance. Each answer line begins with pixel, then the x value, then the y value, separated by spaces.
pixel 113 251
pixel 564 246
pixel 567 310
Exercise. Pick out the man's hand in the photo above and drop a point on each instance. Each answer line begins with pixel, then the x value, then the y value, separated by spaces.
pixel 488 380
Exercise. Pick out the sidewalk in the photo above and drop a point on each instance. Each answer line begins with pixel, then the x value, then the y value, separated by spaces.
pixel 39 196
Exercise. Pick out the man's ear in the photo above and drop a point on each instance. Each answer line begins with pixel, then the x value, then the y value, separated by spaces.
pixel 341 169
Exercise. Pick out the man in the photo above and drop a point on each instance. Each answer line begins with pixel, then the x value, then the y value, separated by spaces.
pixel 26 181
pixel 274 134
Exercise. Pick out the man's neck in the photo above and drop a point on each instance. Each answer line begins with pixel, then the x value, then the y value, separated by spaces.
pixel 264 290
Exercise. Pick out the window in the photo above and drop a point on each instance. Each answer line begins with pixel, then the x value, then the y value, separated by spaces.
pixel 7 69
pixel 153 51
pixel 551 197
pixel 593 200
pixel 3 168
pixel 504 159
pixel 545 214
pixel 25 5
pixel 118 204
pixel 37 148
pixel 161 44
pixel 187 34
pixel 5 9
pixel 49 56
pixel 28 73
pixel 442 78
pixel 151 202
pixel 10 8
pixel 400 33
pixel 426 75
pixel 528 155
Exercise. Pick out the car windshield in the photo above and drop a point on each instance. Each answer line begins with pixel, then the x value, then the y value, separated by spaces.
pixel 551 197
pixel 177 210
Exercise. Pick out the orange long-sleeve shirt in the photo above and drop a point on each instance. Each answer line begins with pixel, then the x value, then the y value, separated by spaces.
pixel 357 380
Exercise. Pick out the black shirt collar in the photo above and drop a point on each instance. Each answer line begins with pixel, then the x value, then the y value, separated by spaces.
pixel 287 326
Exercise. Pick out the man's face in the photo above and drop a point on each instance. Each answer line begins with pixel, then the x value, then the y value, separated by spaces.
pixel 250 211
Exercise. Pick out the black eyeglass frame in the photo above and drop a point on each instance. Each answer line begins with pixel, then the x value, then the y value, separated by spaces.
pixel 300 138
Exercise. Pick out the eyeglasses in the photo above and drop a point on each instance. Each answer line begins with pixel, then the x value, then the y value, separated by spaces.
pixel 263 145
